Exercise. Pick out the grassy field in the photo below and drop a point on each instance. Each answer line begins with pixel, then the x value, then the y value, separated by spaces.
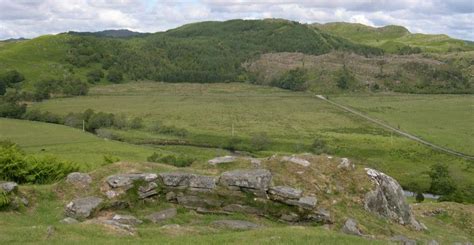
pixel 291 120
pixel 446 120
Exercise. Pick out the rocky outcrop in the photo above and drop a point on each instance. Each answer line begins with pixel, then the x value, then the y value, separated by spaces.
pixel 350 227
pixel 297 160
pixel 120 183
pixel 403 240
pixel 224 159
pixel 126 219
pixel 69 221
pixel 321 216
pixel 292 196
pixel 235 224
pixel 8 187
pixel 192 202
pixel 284 192
pixel 161 216
pixel 238 208
pixel 387 200
pixel 346 164
pixel 82 208
pixel 256 179
pixel 186 180
pixel 126 180
pixel 80 180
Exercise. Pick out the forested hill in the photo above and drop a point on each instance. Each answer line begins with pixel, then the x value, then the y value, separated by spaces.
pixel 213 52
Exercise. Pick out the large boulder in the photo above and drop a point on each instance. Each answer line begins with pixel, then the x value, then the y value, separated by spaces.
pixel 235 224
pixel 126 180
pixel 187 180
pixel 80 180
pixel 8 186
pixel 82 208
pixel 350 227
pixel 387 200
pixel 224 159
pixel 258 179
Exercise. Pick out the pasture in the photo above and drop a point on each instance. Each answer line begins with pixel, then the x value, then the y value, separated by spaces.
pixel 212 113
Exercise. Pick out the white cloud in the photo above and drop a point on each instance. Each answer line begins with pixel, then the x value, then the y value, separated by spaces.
pixel 29 18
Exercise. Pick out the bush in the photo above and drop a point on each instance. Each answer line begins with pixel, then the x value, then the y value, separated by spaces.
pixel 75 87
pixel 115 76
pixel 441 181
pixel 11 109
pixel 37 115
pixel 44 88
pixel 16 166
pixel 260 141
pixel 344 78
pixel 178 161
pixel 292 80
pixel 100 120
pixel 157 127
pixel 232 143
pixel 419 197
pixel 319 146
pixel 11 77
pixel 74 120
pixel 110 159
pixel 136 123
pixel 94 76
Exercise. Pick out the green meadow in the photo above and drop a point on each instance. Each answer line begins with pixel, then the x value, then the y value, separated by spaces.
pixel 446 120
pixel 211 113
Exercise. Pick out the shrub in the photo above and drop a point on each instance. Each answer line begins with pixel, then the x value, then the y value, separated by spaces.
pixel 292 80
pixel 178 161
pixel 120 121
pixel 441 181
pixel 3 88
pixel 74 120
pixel 4 200
pixel 110 159
pixel 115 76
pixel 94 76
pixel 11 77
pixel 260 141
pixel 136 123
pixel 44 88
pixel 319 146
pixel 232 143
pixel 100 120
pixel 157 127
pixel 74 87
pixel 419 197
pixel 16 166
pixel 344 78
pixel 37 115
pixel 11 109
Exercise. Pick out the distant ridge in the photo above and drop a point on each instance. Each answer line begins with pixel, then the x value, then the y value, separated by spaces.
pixel 121 33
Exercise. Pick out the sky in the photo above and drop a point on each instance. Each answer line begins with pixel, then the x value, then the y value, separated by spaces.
pixel 31 18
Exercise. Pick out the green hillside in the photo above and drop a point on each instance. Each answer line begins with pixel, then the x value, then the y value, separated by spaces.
pixel 395 39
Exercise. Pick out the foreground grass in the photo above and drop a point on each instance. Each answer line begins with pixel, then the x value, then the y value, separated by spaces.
pixel 30 226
